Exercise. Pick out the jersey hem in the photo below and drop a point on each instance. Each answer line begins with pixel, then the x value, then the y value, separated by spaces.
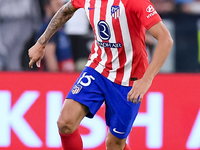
pixel 105 72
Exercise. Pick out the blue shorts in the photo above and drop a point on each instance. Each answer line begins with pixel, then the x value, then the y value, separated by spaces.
pixel 92 89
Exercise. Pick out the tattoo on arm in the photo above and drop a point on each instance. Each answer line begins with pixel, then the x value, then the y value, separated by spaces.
pixel 59 19
pixel 70 8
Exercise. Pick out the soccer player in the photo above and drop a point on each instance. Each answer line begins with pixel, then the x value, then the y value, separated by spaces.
pixel 117 70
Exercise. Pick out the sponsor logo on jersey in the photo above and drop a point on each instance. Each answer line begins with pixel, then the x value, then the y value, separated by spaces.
pixel 104 30
pixel 111 45
pixel 150 9
pixel 104 34
pixel 115 11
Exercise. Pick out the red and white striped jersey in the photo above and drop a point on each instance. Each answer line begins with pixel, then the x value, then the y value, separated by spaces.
pixel 118 51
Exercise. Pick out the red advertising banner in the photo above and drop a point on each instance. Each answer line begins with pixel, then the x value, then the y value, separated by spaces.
pixel 30 103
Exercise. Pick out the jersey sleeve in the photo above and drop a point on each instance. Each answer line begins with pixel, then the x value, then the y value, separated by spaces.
pixel 77 3
pixel 146 13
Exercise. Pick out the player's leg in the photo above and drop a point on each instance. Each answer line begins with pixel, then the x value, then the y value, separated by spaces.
pixel 87 99
pixel 114 143
pixel 71 115
pixel 120 115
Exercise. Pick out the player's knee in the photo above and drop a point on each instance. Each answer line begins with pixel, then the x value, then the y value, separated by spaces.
pixel 114 144
pixel 66 126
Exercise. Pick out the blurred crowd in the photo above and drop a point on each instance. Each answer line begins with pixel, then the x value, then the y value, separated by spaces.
pixel 177 6
pixel 23 21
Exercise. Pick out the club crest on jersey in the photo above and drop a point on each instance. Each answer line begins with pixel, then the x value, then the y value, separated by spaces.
pixel 76 89
pixel 115 11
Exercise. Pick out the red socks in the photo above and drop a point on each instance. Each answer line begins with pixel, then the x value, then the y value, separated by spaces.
pixel 72 141
pixel 127 147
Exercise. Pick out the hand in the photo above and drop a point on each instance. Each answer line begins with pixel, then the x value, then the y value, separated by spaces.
pixel 36 53
pixel 140 87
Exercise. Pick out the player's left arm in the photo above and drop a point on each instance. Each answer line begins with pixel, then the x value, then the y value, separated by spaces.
pixel 162 50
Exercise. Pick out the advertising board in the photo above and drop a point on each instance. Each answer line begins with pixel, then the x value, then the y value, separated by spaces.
pixel 30 103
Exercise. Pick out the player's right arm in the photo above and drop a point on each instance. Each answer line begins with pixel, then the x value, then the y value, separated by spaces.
pixel 163 47
pixel 36 53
